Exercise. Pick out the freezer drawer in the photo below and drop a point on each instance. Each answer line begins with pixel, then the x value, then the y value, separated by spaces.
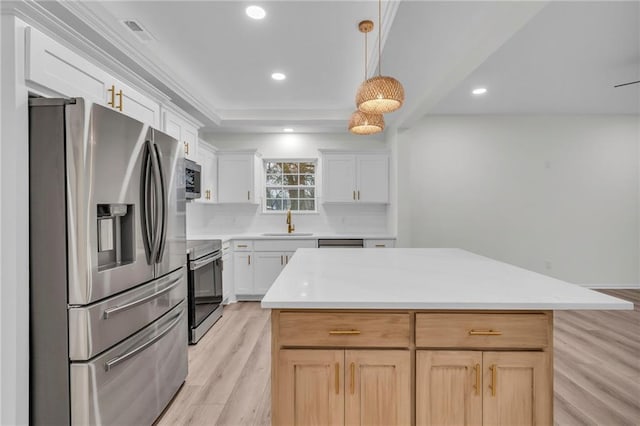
pixel 132 383
pixel 94 328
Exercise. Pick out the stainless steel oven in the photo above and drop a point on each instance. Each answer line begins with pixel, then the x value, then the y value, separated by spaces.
pixel 205 286
pixel 192 179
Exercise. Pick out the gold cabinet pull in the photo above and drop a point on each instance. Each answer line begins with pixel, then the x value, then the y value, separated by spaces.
pixel 354 194
pixel 120 98
pixel 249 259
pixel 494 383
pixel 380 245
pixel 358 195
pixel 112 102
pixel 344 332
pixel 186 148
pixel 249 195
pixel 337 378
pixel 281 260
pixel 352 385
pixel 485 333
pixel 241 246
pixel 478 372
pixel 286 259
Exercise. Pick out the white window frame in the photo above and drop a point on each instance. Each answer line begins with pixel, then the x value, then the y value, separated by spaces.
pixel 265 186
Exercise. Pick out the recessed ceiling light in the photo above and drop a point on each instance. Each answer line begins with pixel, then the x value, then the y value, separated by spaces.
pixel 255 12
pixel 278 76
pixel 287 130
pixel 479 91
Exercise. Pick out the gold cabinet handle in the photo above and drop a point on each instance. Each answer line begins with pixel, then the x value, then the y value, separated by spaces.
pixel 343 332
pixel 286 259
pixel 186 148
pixel 281 260
pixel 485 333
pixel 241 246
pixel 112 102
pixel 249 259
pixel 120 98
pixel 352 385
pixel 249 195
pixel 494 384
pixel 354 194
pixel 358 195
pixel 337 378
pixel 478 386
pixel 380 245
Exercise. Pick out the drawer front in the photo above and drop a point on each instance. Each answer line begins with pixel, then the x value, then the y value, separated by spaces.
pixel 243 245
pixel 131 383
pixel 482 330
pixel 94 328
pixel 344 329
pixel 379 243
pixel 283 245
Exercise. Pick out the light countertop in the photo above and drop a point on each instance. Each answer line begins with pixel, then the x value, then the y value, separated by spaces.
pixel 294 236
pixel 421 279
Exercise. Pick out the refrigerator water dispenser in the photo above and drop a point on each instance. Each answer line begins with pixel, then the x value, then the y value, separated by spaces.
pixel 116 235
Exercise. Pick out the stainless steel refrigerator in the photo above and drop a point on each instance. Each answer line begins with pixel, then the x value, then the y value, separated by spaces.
pixel 108 322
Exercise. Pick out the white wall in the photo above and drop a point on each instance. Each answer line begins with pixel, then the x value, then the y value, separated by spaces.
pixel 557 195
pixel 14 228
pixel 342 219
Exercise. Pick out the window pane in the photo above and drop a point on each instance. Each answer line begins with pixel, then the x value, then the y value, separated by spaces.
pixel 274 205
pixel 290 168
pixel 307 180
pixel 307 205
pixel 307 193
pixel 274 167
pixel 274 179
pixel 290 180
pixel 293 205
pixel 290 193
pixel 307 168
pixel 274 193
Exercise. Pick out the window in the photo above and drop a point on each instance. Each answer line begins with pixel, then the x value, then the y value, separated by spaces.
pixel 290 185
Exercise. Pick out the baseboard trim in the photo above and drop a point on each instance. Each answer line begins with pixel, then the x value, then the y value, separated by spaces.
pixel 612 286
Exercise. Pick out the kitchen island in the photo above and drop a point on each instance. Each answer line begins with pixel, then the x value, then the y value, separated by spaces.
pixel 415 336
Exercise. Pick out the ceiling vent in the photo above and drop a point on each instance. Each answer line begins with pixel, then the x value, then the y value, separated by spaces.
pixel 138 30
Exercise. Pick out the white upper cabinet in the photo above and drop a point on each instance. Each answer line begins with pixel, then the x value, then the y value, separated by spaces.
pixel 238 176
pixel 57 69
pixel 186 132
pixel 355 177
pixel 209 178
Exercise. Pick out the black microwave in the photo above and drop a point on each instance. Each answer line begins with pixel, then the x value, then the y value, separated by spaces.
pixel 193 178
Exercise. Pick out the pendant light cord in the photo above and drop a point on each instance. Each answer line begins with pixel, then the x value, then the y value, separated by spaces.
pixel 366 73
pixel 379 38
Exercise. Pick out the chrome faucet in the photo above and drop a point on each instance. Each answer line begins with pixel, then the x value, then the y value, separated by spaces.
pixel 290 226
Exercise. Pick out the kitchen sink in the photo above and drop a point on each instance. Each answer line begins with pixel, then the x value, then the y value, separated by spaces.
pixel 285 234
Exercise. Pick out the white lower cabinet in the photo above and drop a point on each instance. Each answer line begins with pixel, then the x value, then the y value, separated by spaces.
pixel 243 274
pixel 386 243
pixel 228 292
pixel 258 263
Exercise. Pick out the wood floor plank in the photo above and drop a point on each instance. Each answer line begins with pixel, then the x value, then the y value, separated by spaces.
pixel 597 369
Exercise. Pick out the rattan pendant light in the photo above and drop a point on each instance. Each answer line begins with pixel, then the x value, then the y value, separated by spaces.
pixel 363 123
pixel 380 94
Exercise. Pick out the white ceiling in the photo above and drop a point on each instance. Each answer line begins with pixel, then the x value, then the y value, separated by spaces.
pixel 534 57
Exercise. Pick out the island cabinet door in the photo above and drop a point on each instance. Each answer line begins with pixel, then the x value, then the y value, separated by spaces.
pixel 448 388
pixel 310 388
pixel 377 387
pixel 516 389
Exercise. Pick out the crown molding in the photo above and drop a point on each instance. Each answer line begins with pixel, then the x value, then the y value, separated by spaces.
pixel 82 11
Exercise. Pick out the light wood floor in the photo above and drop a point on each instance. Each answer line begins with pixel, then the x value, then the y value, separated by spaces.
pixel 597 369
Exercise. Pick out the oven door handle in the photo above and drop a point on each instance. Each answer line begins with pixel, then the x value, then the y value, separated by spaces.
pixel 197 264
pixel 108 312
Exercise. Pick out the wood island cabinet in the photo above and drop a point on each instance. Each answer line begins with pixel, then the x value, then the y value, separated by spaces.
pixel 368 367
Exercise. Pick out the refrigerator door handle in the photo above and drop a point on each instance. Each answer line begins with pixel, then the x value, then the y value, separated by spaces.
pixel 161 182
pixel 121 358
pixel 109 312
pixel 147 205
pixel 158 196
